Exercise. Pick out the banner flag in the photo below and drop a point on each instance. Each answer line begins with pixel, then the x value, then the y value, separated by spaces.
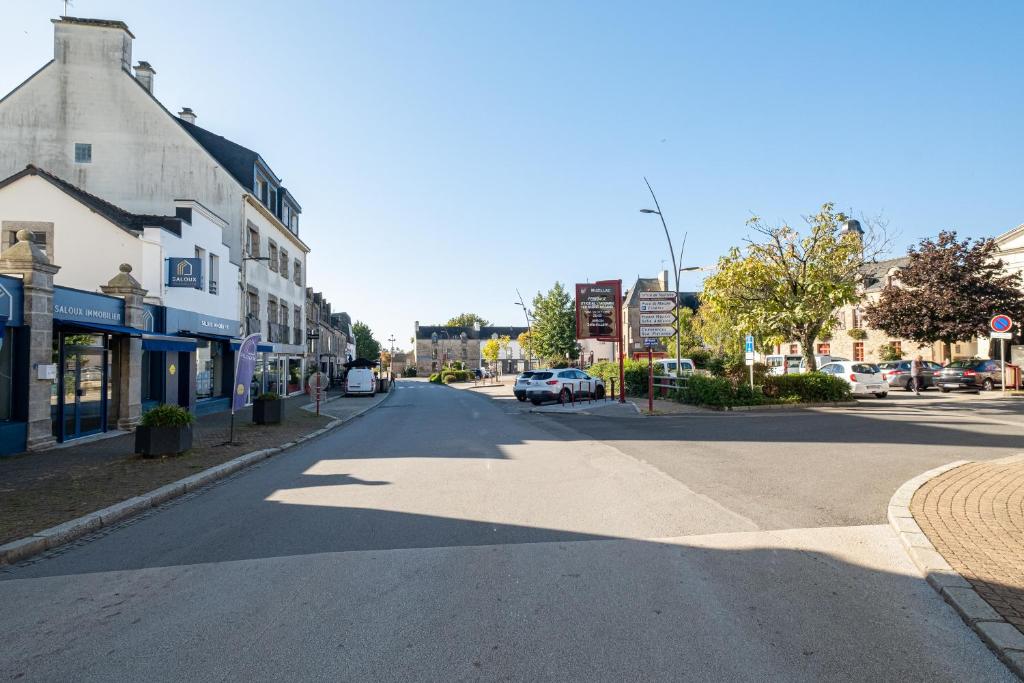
pixel 245 368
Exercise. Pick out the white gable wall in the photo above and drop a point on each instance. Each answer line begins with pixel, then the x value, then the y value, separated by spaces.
pixel 142 159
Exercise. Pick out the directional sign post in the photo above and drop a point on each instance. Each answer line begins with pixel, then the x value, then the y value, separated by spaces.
pixel 659 331
pixel 657 319
pixel 656 306
pixel 1002 329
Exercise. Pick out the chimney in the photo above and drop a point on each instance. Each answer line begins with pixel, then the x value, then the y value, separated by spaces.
pixel 187 115
pixel 144 73
pixel 663 280
pixel 92 42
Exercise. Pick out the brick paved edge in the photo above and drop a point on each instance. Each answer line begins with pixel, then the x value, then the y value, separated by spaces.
pixel 1001 636
pixel 55 536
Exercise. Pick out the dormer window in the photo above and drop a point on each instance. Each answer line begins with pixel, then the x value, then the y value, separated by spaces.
pixel 272 200
pixel 261 189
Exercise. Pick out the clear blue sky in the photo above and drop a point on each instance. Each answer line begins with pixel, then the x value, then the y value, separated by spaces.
pixel 446 153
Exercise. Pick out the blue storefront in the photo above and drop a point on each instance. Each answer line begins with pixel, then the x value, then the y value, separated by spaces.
pixel 13 368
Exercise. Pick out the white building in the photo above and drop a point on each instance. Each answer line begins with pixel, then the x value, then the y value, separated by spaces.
pixel 86 119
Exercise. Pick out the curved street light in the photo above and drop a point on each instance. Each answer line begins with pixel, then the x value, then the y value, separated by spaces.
pixel 675 267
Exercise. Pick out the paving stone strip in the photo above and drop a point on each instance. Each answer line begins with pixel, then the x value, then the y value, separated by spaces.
pixel 963 525
pixel 64 533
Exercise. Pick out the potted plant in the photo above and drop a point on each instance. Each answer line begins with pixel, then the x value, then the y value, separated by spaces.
pixel 267 409
pixel 164 430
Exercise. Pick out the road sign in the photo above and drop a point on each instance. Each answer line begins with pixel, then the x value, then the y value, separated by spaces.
pixel 649 343
pixel 660 331
pixel 658 295
pixel 1001 323
pixel 657 306
pixel 657 319
pixel 749 346
pixel 1001 335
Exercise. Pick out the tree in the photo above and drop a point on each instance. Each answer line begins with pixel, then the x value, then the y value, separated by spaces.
pixel 467 320
pixel 789 285
pixel 366 346
pixel 554 324
pixel 525 341
pixel 948 292
pixel 686 331
pixel 493 347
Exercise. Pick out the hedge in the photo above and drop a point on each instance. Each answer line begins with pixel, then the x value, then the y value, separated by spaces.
pixel 719 392
pixel 810 387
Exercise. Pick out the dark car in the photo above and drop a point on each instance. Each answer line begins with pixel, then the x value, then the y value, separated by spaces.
pixel 897 374
pixel 970 375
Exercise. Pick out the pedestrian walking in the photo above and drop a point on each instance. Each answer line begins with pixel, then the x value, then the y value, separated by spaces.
pixel 916 368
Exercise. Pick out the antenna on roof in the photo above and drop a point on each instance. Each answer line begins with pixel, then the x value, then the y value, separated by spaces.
pixel 68 3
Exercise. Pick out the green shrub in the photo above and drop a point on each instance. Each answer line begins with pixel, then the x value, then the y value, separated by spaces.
pixel 889 352
pixel 435 378
pixel 269 396
pixel 409 372
pixel 857 333
pixel 810 387
pixel 716 392
pixel 166 415
pixel 634 372
pixel 700 357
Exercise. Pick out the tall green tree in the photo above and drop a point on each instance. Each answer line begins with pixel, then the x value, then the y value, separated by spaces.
pixel 366 346
pixel 948 292
pixel 467 320
pixel 787 284
pixel 554 325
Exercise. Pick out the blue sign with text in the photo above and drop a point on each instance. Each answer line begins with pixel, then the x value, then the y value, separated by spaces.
pixel 185 272
pixel 750 344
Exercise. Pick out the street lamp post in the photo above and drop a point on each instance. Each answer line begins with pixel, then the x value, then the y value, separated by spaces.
pixel 391 363
pixel 675 270
pixel 529 325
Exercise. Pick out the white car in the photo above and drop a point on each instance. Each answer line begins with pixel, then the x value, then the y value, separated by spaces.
pixel 863 378
pixel 563 385
pixel 779 364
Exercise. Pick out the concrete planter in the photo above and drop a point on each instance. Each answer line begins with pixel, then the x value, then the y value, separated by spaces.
pixel 267 411
pixel 152 442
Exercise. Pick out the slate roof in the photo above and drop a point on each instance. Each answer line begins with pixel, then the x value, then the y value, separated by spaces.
pixel 131 222
pixel 873 273
pixel 425 331
pixel 237 160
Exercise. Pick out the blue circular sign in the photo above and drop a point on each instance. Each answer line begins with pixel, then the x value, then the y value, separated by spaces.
pixel 1001 323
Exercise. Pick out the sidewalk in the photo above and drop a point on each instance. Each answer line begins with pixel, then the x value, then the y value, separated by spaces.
pixel 40 490
pixel 974 516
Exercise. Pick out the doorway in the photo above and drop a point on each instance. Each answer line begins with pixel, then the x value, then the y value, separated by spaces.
pixel 84 385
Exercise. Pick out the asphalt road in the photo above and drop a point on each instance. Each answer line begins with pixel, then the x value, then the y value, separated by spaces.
pixel 443 537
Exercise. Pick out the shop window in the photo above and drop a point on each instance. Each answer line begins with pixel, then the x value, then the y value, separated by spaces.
pixel 153 367
pixel 209 369
pixel 294 375
pixel 858 351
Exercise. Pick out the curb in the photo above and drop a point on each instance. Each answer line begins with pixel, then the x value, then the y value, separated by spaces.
pixel 73 529
pixel 1002 637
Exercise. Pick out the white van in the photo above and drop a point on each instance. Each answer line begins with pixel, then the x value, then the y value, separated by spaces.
pixel 667 366
pixel 779 364
pixel 360 382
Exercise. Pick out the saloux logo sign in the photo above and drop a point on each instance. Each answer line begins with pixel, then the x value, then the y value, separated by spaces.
pixel 185 272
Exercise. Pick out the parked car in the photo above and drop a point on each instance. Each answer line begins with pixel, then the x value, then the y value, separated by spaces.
pixel 779 364
pixel 897 374
pixel 360 381
pixel 863 378
pixel 970 375
pixel 522 381
pixel 562 386
pixel 667 366
pixel 483 373
pixel 821 360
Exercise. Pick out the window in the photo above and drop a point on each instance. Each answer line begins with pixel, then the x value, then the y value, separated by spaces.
pixel 824 349
pixel 261 189
pixel 272 253
pixel 858 320
pixel 252 241
pixel 39 237
pixel 294 225
pixel 254 304
pixel 283 318
pixel 841 320
pixel 858 350
pixel 284 264
pixel 272 309
pixel 897 346
pixel 297 271
pixel 214 276
pixel 794 349
pixel 272 200
pixel 286 213
pixel 83 153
